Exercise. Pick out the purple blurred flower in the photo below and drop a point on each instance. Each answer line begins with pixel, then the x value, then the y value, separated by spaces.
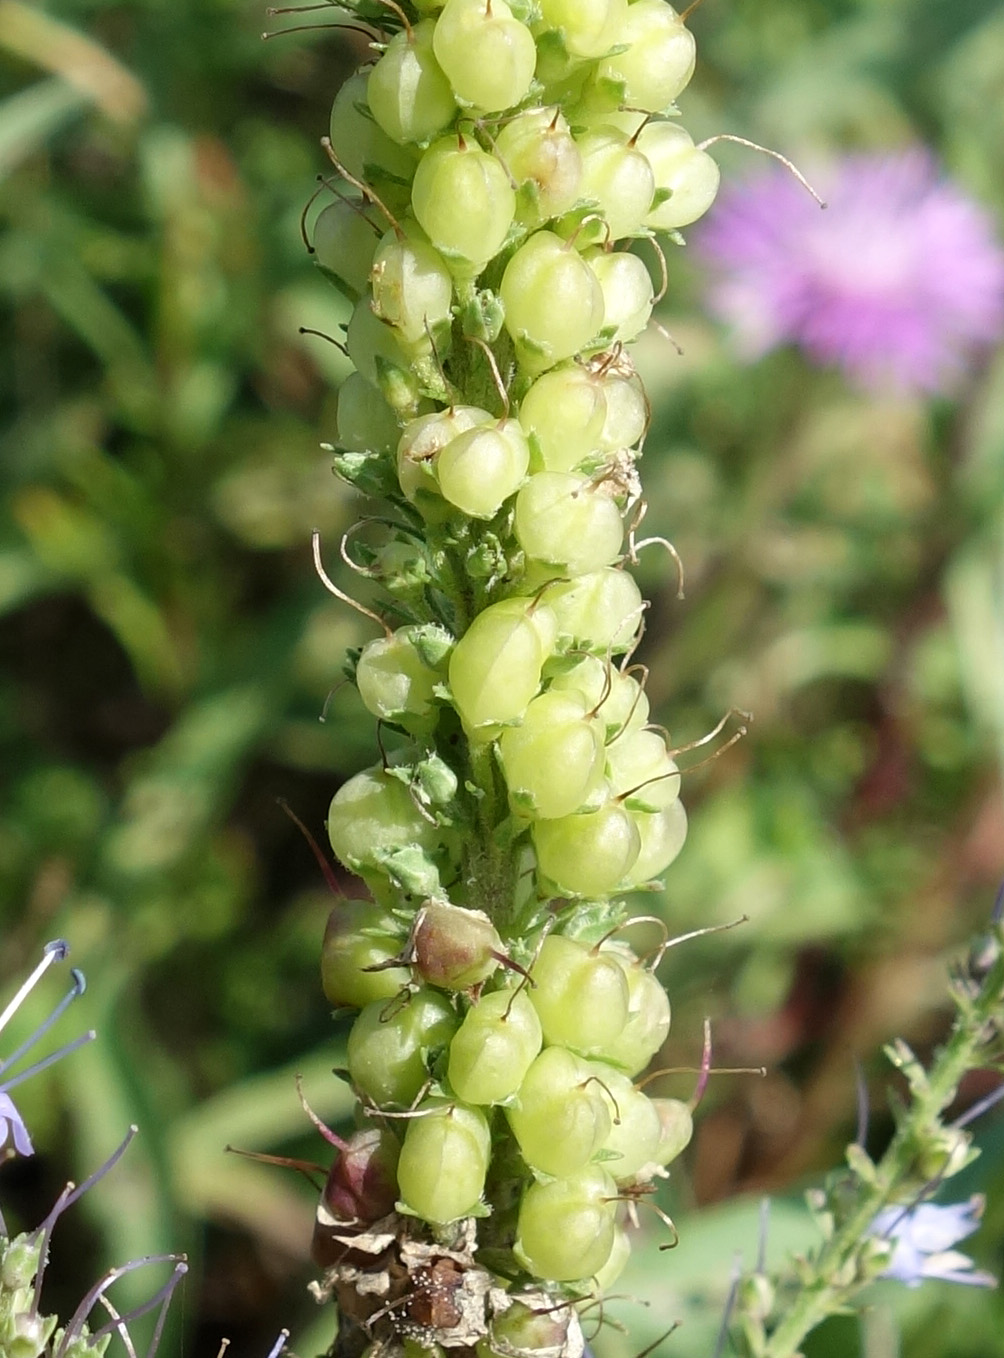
pixel 922 1239
pixel 897 282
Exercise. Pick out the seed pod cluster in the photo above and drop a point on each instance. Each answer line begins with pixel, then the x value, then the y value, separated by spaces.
pixel 500 163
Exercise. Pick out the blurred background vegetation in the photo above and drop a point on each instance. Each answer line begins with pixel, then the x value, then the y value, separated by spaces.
pixel 167 652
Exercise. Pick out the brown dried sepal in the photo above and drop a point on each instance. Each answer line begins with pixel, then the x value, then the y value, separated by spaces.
pixel 390 1287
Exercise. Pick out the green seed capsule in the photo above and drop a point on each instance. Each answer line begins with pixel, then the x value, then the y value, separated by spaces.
pixel 424 439
pixel 635 1129
pixel 553 760
pixel 407 90
pixel 563 414
pixel 617 1261
pixel 390 1049
pixel 494 1047
pixel 628 295
pixel 627 413
pixel 412 288
pixel 495 666
pixel 563 519
pixel 553 302
pixel 566 1227
pixel 381 358
pixel 677 1123
pixel 588 854
pixel 455 948
pixel 688 175
pixel 619 701
pixel 444 1160
pixel 395 682
pixel 658 57
pixel 487 54
pixel 580 993
pixel 375 812
pixel 600 611
pixel 559 1118
pixel 661 835
pixel 365 421
pixel 525 1332
pixel 344 242
pixel 618 178
pixel 464 202
pixel 639 763
pixel 360 935
pixel 540 153
pixel 480 469
pixel 364 149
pixel 648 1018
pixel 589 28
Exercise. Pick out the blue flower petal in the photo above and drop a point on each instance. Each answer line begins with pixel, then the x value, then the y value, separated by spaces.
pixel 12 1127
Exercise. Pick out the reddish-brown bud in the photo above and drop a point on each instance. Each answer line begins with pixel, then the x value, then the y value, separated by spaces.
pixel 455 948
pixel 361 1188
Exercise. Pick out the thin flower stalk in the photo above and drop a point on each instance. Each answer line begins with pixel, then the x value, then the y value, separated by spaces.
pixel 860 1209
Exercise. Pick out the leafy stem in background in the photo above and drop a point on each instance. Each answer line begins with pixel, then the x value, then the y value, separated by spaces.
pixel 773 1316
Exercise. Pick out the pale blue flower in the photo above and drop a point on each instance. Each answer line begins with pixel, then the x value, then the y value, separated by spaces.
pixel 12 1129
pixel 923 1238
pixel 14 1135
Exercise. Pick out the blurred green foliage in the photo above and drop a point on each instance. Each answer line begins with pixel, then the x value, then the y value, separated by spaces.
pixel 167 651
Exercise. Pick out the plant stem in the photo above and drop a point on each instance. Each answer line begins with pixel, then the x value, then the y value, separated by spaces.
pixel 839 1270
